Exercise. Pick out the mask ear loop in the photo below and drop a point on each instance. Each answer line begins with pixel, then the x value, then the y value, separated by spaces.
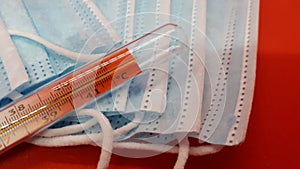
pixel 55 138
pixel 106 140
pixel 107 133
pixel 106 137
pixel 75 140
pixel 14 95
pixel 193 150
pixel 81 57
pixel 68 130
pixel 11 60
pixel 183 151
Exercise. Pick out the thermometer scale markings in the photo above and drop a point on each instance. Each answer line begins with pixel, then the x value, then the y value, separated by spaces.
pixel 31 114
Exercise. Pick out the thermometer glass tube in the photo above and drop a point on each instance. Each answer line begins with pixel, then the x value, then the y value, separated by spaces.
pixel 27 116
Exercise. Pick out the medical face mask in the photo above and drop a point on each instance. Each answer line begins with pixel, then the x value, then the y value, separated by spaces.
pixel 121 20
pixel 218 95
pixel 226 112
pixel 157 84
pixel 158 88
pixel 50 41
pixel 160 52
pixel 143 90
pixel 128 18
pixel 34 60
pixel 90 31
pixel 183 90
pixel 8 52
pixel 76 25
pixel 230 56
pixel 148 94
pixel 185 80
pixel 136 92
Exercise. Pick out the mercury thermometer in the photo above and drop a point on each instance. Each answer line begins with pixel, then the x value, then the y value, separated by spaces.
pixel 29 115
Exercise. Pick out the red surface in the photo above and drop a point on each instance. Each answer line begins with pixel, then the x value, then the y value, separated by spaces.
pixel 273 136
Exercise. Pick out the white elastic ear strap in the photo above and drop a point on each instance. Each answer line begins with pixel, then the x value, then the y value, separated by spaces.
pixel 62 51
pixel 81 57
pixel 11 60
pixel 105 139
pixel 183 151
pixel 80 128
pixel 67 130
pixel 74 140
pixel 14 95
pixel 183 148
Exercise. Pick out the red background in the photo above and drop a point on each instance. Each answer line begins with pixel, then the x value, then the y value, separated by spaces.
pixel 273 136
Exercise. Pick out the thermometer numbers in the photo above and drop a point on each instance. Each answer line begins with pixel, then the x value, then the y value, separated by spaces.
pixel 12 112
pixel 21 107
pixel 51 116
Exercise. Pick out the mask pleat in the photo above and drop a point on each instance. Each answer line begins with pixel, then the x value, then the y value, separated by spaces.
pixel 34 56
pixel 11 62
pixel 221 125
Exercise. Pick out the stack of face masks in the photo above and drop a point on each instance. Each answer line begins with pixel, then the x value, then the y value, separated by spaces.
pixel 204 93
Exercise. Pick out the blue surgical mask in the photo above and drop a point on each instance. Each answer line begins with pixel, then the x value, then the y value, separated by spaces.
pixel 34 58
pixel 66 24
pixel 149 93
pixel 186 77
pixel 183 88
pixel 128 20
pixel 217 70
pixel 155 84
pixel 10 63
pixel 232 29
pixel 119 15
